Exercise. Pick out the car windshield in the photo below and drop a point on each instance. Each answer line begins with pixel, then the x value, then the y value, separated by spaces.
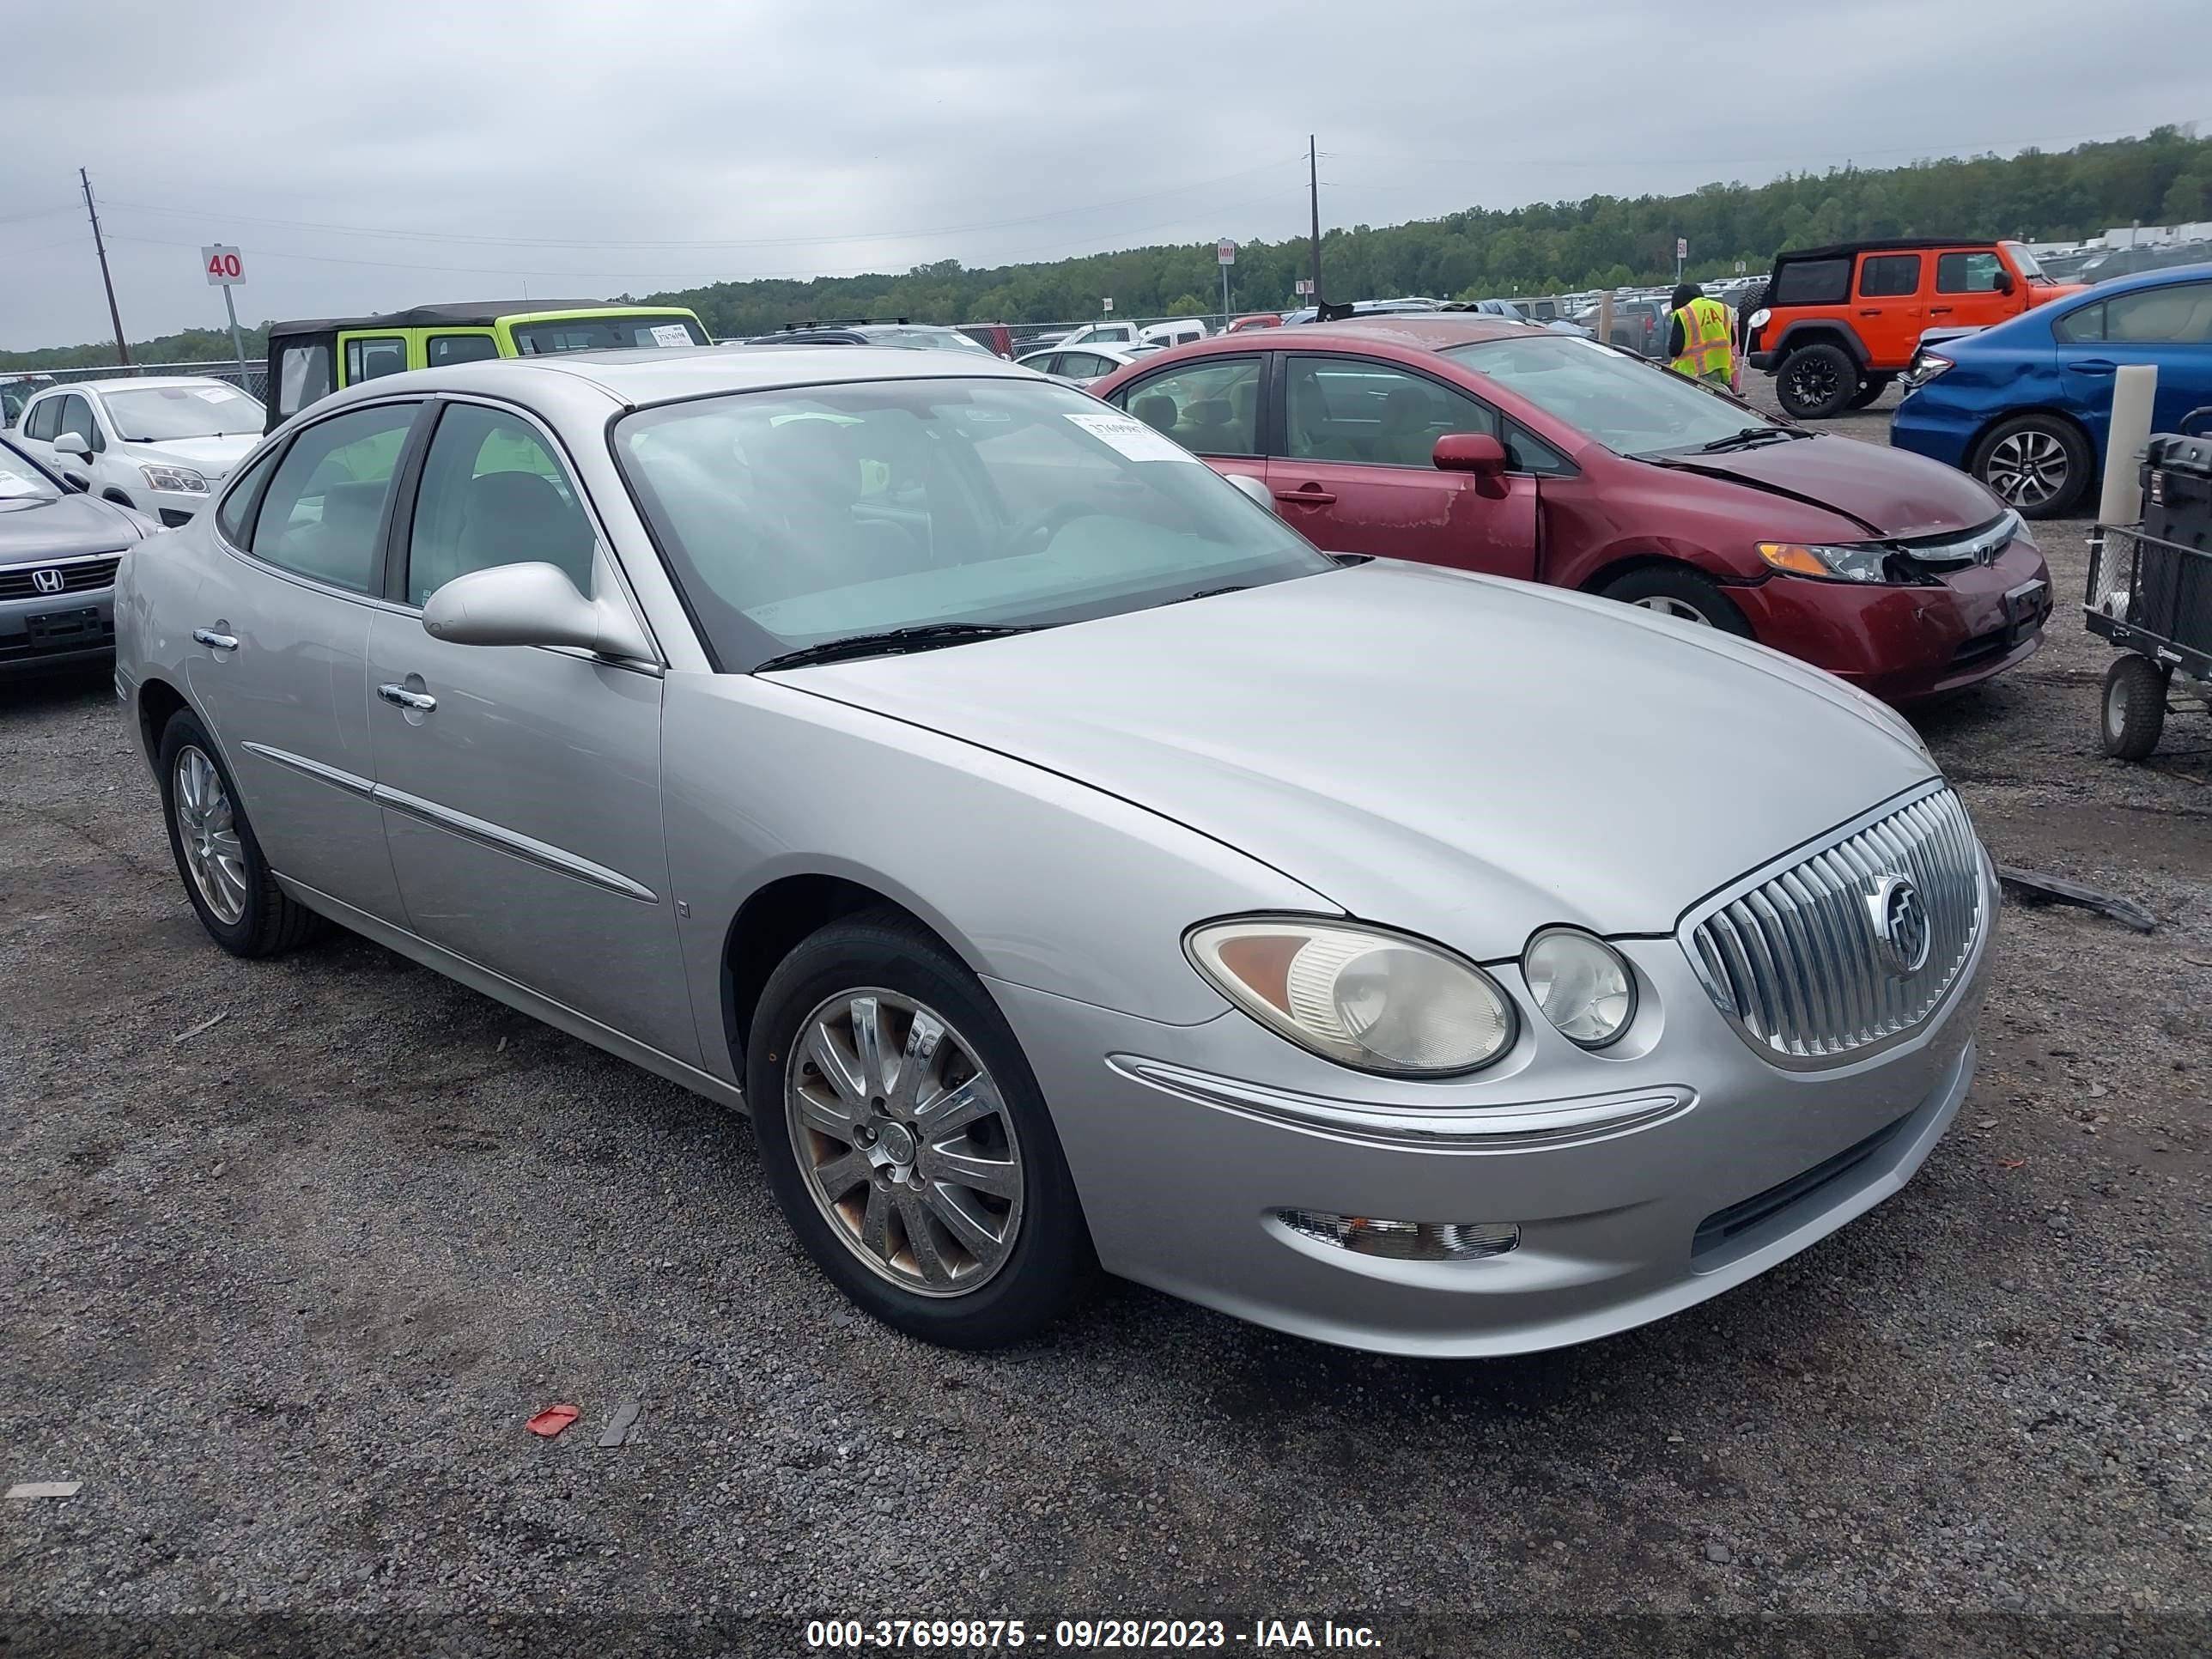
pixel 592 332
pixel 1631 408
pixel 800 517
pixel 161 414
pixel 21 480
pixel 927 339
pixel 2026 261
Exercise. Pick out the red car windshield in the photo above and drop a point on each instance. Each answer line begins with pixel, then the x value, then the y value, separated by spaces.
pixel 1631 408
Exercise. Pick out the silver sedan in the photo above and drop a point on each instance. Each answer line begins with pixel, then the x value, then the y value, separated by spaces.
pixel 1069 865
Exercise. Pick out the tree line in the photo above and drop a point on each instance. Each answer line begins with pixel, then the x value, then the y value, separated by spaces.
pixel 1600 242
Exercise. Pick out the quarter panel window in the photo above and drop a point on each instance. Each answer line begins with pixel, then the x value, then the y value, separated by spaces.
pixel 1811 283
pixel 303 374
pixel 234 517
pixel 492 494
pixel 1967 273
pixel 1356 409
pixel 324 513
pixel 1888 274
pixel 1211 408
pixel 2076 327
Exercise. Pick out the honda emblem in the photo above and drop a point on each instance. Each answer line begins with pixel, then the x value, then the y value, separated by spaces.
pixel 47 581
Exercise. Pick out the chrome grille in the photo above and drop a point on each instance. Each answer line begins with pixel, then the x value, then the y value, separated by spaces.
pixel 78 576
pixel 1791 956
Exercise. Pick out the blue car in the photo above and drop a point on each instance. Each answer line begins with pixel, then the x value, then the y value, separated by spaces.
pixel 2025 406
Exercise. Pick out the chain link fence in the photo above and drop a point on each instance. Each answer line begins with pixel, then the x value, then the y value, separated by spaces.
pixel 251 377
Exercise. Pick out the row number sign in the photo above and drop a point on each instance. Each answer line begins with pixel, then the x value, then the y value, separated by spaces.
pixel 222 265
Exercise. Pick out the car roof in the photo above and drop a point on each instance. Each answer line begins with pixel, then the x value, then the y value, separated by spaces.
pixel 2162 278
pixel 1879 245
pixel 1412 331
pixel 460 312
pixel 126 382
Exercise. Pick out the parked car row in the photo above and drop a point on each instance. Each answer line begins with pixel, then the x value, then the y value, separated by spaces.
pixel 1199 942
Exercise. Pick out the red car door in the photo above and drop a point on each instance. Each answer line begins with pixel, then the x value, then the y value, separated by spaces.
pixel 1353 472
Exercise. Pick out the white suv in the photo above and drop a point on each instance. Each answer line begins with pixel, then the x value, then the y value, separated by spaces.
pixel 160 444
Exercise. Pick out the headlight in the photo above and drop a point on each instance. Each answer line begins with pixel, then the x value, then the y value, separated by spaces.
pixel 1582 984
pixel 1356 995
pixel 174 477
pixel 1829 562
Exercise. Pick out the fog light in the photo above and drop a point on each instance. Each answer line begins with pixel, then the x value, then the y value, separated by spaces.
pixel 1405 1241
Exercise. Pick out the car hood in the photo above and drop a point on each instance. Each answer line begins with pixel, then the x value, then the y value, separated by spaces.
pixel 1465 757
pixel 34 530
pixel 1889 493
pixel 212 457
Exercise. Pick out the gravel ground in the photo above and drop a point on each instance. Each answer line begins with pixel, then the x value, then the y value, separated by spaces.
pixel 282 1291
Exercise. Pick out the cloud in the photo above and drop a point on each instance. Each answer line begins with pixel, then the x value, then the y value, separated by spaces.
pixel 367 157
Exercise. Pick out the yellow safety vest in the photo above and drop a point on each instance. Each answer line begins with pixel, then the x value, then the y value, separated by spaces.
pixel 1708 342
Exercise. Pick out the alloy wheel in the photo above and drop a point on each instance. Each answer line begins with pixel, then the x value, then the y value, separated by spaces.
pixel 207 829
pixel 1812 380
pixel 1667 605
pixel 904 1142
pixel 2027 468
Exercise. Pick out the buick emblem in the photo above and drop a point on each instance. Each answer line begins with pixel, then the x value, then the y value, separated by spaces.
pixel 46 582
pixel 1901 934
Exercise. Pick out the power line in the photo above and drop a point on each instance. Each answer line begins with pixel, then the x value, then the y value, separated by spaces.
pixel 38 213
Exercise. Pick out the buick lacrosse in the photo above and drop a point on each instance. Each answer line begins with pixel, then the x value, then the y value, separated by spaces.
pixel 1067 866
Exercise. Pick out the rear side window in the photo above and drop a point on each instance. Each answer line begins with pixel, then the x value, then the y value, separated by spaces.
pixel 1967 273
pixel 325 507
pixel 46 421
pixel 1888 275
pixel 1211 408
pixel 234 517
pixel 1812 283
pixel 461 348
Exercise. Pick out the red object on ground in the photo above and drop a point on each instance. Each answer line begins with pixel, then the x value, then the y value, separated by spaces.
pixel 551 1421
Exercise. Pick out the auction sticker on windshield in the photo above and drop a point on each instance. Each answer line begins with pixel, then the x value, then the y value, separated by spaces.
pixel 13 483
pixel 1133 439
pixel 671 334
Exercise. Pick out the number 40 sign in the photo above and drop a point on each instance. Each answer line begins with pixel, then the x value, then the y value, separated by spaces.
pixel 222 265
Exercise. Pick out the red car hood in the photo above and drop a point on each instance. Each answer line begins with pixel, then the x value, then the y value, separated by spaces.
pixel 1891 493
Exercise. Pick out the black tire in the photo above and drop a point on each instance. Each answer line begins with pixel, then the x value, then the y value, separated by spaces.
pixel 1049 1262
pixel 1680 592
pixel 1815 381
pixel 1871 388
pixel 2134 708
pixel 270 922
pixel 2040 464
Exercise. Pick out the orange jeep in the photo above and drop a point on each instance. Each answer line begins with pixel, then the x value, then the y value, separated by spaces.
pixel 1837 324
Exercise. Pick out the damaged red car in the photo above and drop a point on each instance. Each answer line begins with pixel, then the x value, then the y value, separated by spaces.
pixel 1514 451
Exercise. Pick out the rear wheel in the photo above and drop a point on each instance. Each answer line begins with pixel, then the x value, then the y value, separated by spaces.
pixel 228 880
pixel 2135 707
pixel 2039 464
pixel 1871 388
pixel 1678 591
pixel 1815 381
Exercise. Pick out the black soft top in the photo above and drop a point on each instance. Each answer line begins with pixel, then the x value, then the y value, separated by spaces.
pixel 477 312
pixel 1884 245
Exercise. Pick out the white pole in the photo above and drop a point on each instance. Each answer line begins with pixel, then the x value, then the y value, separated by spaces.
pixel 2133 388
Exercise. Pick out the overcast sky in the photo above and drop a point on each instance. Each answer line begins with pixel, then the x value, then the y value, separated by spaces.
pixel 367 157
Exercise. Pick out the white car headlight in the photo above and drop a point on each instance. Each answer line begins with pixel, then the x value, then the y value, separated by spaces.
pixel 1358 995
pixel 1582 984
pixel 174 477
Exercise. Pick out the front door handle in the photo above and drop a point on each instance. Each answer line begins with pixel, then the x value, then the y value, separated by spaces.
pixel 421 702
pixel 2092 366
pixel 1311 496
pixel 214 641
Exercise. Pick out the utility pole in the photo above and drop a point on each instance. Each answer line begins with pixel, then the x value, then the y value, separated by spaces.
pixel 1313 194
pixel 122 348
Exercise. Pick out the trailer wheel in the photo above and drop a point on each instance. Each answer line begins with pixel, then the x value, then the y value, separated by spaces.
pixel 2135 707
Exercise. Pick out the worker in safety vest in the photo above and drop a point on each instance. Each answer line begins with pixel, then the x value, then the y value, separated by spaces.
pixel 1701 338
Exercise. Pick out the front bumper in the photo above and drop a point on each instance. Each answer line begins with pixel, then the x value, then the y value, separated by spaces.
pixel 1762 361
pixel 55 630
pixel 1902 643
pixel 175 507
pixel 1656 1182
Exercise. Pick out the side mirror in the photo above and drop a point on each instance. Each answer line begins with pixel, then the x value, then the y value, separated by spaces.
pixel 1249 485
pixel 73 444
pixel 1470 452
pixel 531 605
pixel 2004 283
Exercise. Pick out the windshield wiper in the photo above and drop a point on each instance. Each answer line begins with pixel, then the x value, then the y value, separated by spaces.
pixel 893 641
pixel 1745 437
pixel 1211 592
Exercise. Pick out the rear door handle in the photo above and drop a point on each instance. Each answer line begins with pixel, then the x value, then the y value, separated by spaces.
pixel 422 701
pixel 1310 495
pixel 2092 366
pixel 1939 311
pixel 214 641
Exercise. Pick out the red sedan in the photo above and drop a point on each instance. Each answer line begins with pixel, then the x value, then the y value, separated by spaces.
pixel 1519 451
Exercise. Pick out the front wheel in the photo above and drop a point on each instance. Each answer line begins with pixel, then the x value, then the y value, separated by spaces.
pixel 1678 591
pixel 906 1139
pixel 1816 381
pixel 2134 706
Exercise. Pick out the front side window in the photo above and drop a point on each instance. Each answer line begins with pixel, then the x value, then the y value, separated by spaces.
pixel 371 359
pixel 325 507
pixel 2180 315
pixel 1357 409
pixel 443 349
pixel 597 333
pixel 160 414
pixel 1631 408
pixel 77 417
pixel 1883 276
pixel 303 374
pixel 796 519
pixel 493 494
pixel 1967 273
pixel 1210 408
